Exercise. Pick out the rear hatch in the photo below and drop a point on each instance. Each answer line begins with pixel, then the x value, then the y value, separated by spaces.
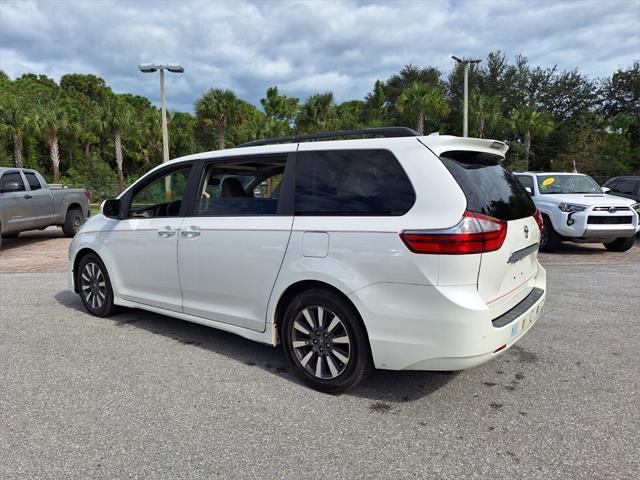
pixel 491 190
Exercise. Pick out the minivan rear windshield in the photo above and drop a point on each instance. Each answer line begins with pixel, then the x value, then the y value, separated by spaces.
pixel 489 187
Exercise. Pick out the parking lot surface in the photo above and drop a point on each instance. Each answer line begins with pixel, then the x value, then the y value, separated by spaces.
pixel 141 395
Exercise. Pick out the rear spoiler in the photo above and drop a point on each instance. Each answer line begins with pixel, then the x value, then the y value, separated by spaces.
pixel 440 144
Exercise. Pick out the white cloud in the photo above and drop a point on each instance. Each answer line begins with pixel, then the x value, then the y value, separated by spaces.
pixel 304 47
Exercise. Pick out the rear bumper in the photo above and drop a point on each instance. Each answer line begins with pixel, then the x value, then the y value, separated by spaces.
pixel 416 327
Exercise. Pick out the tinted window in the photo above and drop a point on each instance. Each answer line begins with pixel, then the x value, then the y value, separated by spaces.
pixel 627 187
pixel 351 182
pixel 10 178
pixel 162 197
pixel 526 181
pixel 34 183
pixel 239 187
pixel 490 189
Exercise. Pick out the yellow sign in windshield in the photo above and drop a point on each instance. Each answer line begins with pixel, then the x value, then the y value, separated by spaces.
pixel 549 181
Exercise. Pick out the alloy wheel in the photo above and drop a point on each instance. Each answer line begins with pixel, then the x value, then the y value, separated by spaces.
pixel 94 287
pixel 321 342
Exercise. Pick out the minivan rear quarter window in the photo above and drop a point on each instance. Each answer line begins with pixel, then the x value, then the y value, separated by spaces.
pixel 351 183
pixel 489 187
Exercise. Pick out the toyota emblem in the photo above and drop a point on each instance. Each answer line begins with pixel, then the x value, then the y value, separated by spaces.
pixel 612 209
pixel 526 232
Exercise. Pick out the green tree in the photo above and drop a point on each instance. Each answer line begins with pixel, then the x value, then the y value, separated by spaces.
pixel 484 114
pixel 317 113
pixel 119 118
pixel 375 111
pixel 14 118
pixel 280 113
pixel 421 101
pixel 50 121
pixel 529 122
pixel 217 110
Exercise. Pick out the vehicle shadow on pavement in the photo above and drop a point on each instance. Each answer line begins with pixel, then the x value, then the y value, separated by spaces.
pixel 387 386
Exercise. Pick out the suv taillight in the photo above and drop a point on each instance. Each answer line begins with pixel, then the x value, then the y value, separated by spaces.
pixel 539 220
pixel 87 194
pixel 475 233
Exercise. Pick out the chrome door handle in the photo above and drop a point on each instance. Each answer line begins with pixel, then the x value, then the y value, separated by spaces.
pixel 166 232
pixel 192 231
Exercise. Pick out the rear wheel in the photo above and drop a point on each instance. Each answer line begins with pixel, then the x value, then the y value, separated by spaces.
pixel 72 222
pixel 620 244
pixel 325 341
pixel 94 286
pixel 549 239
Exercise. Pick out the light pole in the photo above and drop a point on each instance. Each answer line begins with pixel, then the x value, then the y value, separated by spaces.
pixel 465 108
pixel 174 68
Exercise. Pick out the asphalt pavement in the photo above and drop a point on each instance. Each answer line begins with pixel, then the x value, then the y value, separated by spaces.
pixel 141 395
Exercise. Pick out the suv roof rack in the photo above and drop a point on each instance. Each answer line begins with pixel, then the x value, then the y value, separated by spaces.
pixel 381 131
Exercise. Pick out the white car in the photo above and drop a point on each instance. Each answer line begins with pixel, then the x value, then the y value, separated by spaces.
pixel 574 207
pixel 401 253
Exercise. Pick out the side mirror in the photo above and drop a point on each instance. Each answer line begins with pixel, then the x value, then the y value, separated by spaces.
pixel 111 208
pixel 605 189
pixel 10 187
pixel 528 189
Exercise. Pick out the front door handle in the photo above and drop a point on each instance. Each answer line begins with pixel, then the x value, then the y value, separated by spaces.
pixel 192 231
pixel 166 232
pixel 27 196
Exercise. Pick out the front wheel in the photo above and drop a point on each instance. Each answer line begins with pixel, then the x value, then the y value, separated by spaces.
pixel 620 244
pixel 94 286
pixel 325 341
pixel 549 239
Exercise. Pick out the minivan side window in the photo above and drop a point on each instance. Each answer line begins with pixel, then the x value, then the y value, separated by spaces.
pixel 351 183
pixel 34 183
pixel 241 187
pixel 10 178
pixel 162 197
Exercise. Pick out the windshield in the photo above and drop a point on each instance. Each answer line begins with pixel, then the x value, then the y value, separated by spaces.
pixel 567 184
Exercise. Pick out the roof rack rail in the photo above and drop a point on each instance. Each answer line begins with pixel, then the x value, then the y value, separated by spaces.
pixel 382 131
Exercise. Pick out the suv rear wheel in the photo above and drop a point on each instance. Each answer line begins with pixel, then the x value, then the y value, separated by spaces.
pixel 620 244
pixel 325 341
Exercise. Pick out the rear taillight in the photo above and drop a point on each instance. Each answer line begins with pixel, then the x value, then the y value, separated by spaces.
pixel 87 194
pixel 538 218
pixel 475 233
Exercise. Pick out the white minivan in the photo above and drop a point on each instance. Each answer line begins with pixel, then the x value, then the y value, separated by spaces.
pixel 404 252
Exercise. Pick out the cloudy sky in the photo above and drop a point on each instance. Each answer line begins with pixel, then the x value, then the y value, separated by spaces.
pixel 303 47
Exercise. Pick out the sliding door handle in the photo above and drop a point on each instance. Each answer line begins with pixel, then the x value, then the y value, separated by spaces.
pixel 191 231
pixel 166 232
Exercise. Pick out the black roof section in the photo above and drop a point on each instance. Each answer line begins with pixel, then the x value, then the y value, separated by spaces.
pixel 381 131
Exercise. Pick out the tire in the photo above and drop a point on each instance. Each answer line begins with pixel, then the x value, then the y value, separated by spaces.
pixel 338 341
pixel 620 244
pixel 549 239
pixel 94 286
pixel 11 235
pixel 72 222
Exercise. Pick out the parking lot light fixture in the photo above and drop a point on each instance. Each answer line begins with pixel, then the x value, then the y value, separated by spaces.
pixel 173 68
pixel 465 108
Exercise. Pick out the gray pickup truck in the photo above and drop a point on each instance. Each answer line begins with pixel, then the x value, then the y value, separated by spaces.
pixel 27 203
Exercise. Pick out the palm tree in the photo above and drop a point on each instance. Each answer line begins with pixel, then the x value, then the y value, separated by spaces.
pixel 422 100
pixel 485 114
pixel 119 118
pixel 528 122
pixel 317 113
pixel 219 109
pixel 50 120
pixel 14 116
